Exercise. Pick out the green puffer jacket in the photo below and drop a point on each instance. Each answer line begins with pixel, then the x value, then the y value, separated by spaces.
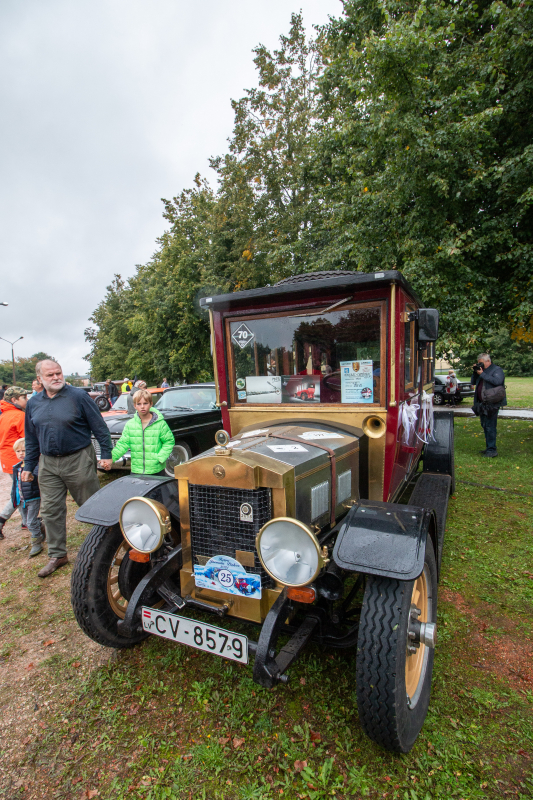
pixel 149 448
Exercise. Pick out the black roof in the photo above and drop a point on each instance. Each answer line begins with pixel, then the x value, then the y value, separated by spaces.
pixel 308 285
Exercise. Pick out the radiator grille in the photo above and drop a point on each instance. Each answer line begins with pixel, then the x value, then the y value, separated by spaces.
pixel 217 527
pixel 96 444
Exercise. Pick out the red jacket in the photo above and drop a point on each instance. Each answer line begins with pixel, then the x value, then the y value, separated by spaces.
pixel 11 429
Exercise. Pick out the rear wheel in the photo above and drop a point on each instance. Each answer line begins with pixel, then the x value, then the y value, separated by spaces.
pixel 102 403
pixel 103 580
pixel 393 674
pixel 181 452
pixel 438 400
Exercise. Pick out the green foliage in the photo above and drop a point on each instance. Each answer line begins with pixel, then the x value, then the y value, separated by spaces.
pixel 424 157
pixel 24 370
pixel 401 137
pixel 515 358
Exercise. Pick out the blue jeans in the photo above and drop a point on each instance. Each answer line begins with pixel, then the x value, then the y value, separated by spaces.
pixel 488 423
pixel 30 517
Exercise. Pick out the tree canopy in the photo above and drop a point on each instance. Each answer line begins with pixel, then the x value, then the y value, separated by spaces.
pixel 400 136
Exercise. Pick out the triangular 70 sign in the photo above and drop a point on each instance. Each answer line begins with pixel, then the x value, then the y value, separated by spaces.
pixel 242 335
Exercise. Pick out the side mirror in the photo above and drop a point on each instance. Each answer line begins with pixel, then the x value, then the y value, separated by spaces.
pixel 428 324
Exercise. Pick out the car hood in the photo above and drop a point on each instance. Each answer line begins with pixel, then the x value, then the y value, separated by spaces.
pixel 116 422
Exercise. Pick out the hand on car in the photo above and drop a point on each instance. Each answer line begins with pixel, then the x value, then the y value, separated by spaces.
pixel 26 476
pixel 105 463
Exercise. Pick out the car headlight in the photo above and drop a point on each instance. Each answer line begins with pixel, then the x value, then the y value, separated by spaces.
pixel 289 551
pixel 144 523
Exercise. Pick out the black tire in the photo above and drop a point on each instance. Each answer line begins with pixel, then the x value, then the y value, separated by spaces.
pixel 304 396
pixel 438 399
pixel 386 715
pixel 181 452
pixel 102 403
pixel 96 560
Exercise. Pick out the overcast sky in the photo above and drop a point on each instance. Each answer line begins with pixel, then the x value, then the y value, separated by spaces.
pixel 107 106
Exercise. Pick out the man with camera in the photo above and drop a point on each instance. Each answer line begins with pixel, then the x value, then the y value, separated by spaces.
pixel 488 382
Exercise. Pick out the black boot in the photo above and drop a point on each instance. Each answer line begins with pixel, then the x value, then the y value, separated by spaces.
pixel 2 523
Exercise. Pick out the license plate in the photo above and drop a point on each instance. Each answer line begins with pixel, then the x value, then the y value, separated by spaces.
pixel 196 634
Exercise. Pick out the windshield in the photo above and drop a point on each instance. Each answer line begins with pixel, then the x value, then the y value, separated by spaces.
pixel 331 357
pixel 121 404
pixel 202 399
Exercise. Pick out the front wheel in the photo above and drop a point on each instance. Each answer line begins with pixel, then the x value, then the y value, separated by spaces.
pixel 103 580
pixel 438 399
pixel 393 673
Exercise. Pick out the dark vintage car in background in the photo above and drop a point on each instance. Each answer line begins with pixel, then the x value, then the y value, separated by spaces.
pixel 192 416
pixel 440 396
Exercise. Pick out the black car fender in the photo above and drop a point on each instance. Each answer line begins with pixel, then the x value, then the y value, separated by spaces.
pixel 103 508
pixel 385 539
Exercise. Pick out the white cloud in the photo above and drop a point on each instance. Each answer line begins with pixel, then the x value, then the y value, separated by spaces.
pixel 107 106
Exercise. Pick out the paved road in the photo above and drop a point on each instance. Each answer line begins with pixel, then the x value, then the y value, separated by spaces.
pixel 509 413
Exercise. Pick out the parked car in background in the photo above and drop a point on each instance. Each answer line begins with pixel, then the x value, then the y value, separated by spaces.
pixel 99 396
pixel 121 406
pixel 190 411
pixel 440 396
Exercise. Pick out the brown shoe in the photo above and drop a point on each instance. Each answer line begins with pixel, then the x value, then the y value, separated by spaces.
pixel 52 565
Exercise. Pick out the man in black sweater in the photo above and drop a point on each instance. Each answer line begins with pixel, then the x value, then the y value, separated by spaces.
pixel 59 422
pixel 487 376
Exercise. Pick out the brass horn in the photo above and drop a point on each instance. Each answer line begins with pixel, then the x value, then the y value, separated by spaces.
pixel 374 427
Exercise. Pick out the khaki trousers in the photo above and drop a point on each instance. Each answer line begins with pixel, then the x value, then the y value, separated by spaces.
pixel 57 475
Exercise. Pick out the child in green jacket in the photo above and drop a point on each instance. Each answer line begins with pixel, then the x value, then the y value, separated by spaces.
pixel 147 436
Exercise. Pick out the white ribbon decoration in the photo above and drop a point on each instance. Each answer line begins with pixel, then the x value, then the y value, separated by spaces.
pixel 427 422
pixel 408 417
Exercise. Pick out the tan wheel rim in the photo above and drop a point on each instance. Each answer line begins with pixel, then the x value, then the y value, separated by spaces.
pixel 415 662
pixel 116 599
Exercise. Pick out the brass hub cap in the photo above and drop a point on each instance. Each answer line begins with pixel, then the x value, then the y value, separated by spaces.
pixel 416 662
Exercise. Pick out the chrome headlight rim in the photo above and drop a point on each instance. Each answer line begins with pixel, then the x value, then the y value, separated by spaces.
pixel 162 516
pixel 320 559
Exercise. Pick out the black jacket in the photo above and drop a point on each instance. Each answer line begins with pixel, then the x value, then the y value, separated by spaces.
pixel 27 490
pixel 494 376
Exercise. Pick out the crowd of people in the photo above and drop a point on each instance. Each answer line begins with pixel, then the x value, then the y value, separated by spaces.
pixel 45 445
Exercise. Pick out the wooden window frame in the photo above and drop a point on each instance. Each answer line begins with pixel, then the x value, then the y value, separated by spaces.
pixel 381 304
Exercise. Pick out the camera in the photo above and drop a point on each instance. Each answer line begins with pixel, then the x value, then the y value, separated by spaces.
pixel 479 365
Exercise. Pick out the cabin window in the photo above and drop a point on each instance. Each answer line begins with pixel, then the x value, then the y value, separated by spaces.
pixel 308 358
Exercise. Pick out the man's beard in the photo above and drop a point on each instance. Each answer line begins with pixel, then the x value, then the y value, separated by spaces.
pixel 55 387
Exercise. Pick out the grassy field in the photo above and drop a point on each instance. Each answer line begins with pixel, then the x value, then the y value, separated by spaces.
pixel 163 721
pixel 519 392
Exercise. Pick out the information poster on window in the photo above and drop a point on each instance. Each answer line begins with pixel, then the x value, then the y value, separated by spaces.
pixel 357 382
pixel 261 389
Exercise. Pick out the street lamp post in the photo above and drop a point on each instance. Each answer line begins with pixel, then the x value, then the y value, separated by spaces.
pixel 12 353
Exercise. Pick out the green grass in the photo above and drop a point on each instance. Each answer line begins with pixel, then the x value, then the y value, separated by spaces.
pixel 164 721
pixel 519 392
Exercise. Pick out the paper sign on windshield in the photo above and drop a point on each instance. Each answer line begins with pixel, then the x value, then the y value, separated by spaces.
pixel 357 382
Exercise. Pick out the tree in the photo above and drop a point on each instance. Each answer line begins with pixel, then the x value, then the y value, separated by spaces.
pixel 24 370
pixel 111 341
pixel 265 192
pixel 424 156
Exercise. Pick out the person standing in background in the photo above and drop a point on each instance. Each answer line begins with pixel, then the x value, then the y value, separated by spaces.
pixel 13 407
pixel 488 382
pixel 2 390
pixel 36 386
pixel 165 385
pixel 59 423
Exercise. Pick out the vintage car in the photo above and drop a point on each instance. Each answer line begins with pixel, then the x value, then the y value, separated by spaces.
pixel 121 403
pixel 313 522
pixel 190 411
